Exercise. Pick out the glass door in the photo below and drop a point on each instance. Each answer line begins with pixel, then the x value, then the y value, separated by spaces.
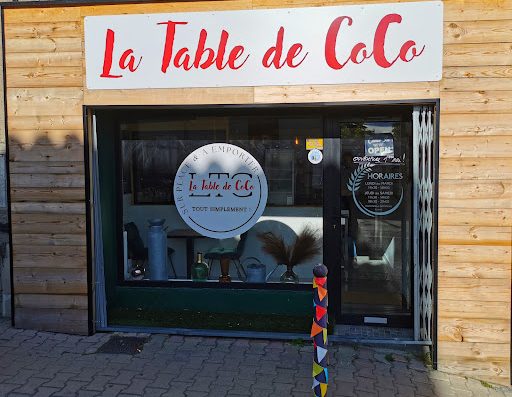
pixel 375 179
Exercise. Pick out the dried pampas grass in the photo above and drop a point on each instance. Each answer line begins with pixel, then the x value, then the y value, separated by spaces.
pixel 305 247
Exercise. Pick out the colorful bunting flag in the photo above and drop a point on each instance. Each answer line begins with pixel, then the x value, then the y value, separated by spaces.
pixel 319 331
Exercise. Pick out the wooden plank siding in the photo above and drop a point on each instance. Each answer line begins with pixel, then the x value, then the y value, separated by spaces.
pixel 45 94
pixel 44 78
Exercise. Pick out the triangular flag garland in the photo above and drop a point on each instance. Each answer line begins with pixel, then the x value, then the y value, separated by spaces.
pixel 319 331
pixel 322 292
pixel 320 353
pixel 316 329
pixel 320 312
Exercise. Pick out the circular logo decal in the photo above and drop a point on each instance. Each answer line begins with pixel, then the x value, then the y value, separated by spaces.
pixel 220 190
pixel 315 156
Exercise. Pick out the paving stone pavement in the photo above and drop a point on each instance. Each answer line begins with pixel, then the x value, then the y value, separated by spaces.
pixel 48 364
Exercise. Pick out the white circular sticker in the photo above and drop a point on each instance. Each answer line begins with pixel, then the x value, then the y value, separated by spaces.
pixel 315 156
pixel 220 190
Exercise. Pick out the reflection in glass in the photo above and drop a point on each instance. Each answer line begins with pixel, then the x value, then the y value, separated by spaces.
pixel 153 149
pixel 376 189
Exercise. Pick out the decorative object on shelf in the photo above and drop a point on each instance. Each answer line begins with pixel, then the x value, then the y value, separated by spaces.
pixel 157 250
pixel 289 276
pixel 225 256
pixel 305 247
pixel 256 271
pixel 138 253
pixel 200 269
pixel 319 331
pixel 224 270
pixel 138 272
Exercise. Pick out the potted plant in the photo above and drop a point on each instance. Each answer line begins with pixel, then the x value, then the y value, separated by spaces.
pixel 305 247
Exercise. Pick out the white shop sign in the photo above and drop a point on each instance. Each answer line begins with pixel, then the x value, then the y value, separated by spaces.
pixel 220 190
pixel 399 42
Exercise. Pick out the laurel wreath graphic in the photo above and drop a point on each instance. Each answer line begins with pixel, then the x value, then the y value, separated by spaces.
pixel 357 176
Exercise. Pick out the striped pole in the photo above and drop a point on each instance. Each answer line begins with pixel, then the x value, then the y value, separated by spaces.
pixel 319 331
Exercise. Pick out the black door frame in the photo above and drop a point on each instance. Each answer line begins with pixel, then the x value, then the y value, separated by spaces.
pixel 334 258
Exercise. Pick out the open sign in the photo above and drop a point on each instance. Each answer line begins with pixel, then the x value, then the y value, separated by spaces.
pixel 379 147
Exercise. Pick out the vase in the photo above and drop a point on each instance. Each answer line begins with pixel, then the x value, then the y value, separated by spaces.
pixel 199 269
pixel 157 250
pixel 224 270
pixel 289 276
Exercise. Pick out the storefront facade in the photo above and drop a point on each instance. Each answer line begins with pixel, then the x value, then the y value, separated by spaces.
pixel 398 176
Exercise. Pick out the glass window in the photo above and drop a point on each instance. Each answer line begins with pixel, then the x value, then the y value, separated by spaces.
pixel 152 149
pixel 376 201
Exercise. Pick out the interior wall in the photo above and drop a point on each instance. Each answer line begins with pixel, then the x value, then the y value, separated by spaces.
pixel 294 218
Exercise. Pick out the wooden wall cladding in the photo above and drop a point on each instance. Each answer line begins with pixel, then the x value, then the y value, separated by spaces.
pixel 44 78
pixel 44 64
pixel 475 191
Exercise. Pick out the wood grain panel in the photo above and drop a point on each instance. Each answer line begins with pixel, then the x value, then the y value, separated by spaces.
pixel 44 101
pixel 47 167
pixel 40 14
pixel 59 258
pixel 475 270
pixel 52 122
pixel 476 204
pixel 54 251
pixel 142 8
pixel 476 168
pixel 471 217
pixel 476 84
pixel 48 180
pixel 43 30
pixel 478 31
pixel 35 60
pixel 475 124
pixel 474 330
pixel 48 208
pixel 473 254
pixel 49 239
pixel 480 293
pixel 47 137
pixel 69 152
pixel 48 223
pixel 177 96
pixel 474 10
pixel 488 361
pixel 51 301
pixel 481 146
pixel 61 76
pixel 47 195
pixel 71 321
pixel 487 71
pixel 451 308
pixel 497 284
pixel 50 281
pixel 477 54
pixel 345 93
pixel 44 45
pixel 473 235
pixel 469 191
pixel 477 102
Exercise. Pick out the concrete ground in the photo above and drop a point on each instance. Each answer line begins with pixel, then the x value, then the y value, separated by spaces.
pixel 48 364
